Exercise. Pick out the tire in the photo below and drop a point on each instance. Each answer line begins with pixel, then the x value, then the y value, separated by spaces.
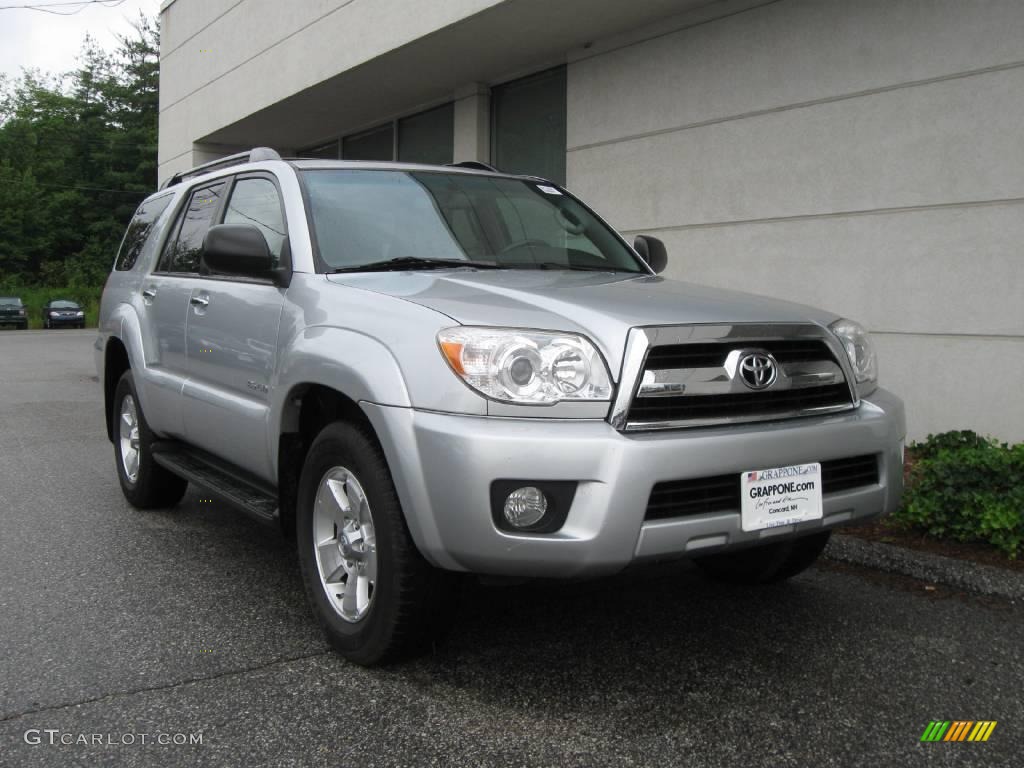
pixel 766 564
pixel 151 486
pixel 400 604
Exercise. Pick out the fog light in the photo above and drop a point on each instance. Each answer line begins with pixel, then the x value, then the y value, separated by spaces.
pixel 525 507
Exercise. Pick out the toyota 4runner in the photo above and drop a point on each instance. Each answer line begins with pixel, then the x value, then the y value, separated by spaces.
pixel 420 371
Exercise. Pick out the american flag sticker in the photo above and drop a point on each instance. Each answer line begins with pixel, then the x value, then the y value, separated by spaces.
pixel 751 477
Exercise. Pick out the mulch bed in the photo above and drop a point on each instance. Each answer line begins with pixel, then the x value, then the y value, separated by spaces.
pixel 911 539
pixel 884 532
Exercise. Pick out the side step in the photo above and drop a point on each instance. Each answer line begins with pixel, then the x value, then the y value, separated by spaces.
pixel 235 486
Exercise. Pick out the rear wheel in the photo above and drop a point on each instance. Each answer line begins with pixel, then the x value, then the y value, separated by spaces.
pixel 766 564
pixel 375 596
pixel 145 483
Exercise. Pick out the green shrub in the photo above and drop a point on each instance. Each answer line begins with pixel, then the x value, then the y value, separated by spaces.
pixel 967 488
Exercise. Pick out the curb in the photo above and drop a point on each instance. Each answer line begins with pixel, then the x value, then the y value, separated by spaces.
pixel 960 574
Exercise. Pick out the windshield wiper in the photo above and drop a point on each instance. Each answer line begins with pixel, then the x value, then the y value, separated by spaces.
pixel 575 267
pixel 415 262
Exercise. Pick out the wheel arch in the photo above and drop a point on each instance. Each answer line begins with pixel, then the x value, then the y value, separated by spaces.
pixel 115 363
pixel 308 407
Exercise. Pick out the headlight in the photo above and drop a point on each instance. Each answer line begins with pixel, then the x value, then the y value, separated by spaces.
pixel 53 314
pixel 526 367
pixel 861 351
pixel 80 313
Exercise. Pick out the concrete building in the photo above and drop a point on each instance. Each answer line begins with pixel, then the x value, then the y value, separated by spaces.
pixel 863 156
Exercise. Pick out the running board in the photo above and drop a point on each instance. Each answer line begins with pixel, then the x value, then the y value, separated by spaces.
pixel 235 486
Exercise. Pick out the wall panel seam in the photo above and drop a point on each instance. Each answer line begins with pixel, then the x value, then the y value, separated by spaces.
pixel 798 105
pixel 829 215
pixel 270 47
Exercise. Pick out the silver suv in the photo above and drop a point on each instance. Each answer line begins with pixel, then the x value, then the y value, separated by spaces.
pixel 425 371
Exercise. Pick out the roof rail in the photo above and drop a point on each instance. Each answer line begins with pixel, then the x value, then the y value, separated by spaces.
pixel 251 156
pixel 475 165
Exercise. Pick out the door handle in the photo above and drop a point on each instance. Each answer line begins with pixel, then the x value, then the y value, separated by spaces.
pixel 149 294
pixel 199 301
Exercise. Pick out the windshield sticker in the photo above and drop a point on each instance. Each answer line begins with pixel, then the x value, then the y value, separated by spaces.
pixel 548 190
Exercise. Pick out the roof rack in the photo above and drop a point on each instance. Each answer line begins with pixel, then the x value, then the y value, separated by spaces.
pixel 475 165
pixel 252 156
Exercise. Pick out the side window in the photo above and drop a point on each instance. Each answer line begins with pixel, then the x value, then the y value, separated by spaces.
pixel 255 201
pixel 182 251
pixel 139 231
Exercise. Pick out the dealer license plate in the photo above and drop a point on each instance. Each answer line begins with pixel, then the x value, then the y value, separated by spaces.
pixel 782 496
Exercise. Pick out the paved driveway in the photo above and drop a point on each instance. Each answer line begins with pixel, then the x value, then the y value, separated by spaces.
pixel 124 625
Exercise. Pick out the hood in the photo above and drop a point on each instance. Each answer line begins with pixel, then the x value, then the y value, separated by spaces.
pixel 599 305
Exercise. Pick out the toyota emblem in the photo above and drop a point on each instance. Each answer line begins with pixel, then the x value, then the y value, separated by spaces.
pixel 758 370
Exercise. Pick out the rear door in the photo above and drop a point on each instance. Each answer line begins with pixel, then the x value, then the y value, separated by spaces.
pixel 165 299
pixel 231 339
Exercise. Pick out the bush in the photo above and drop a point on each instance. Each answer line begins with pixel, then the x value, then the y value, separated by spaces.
pixel 968 488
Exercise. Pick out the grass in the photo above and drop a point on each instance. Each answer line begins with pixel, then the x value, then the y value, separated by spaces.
pixel 34 297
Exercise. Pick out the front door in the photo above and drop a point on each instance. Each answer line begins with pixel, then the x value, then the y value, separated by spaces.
pixel 231 341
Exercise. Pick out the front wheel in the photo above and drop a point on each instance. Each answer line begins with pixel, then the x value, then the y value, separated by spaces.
pixel 375 596
pixel 765 564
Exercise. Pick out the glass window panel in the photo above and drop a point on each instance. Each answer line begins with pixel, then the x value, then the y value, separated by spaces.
pixel 256 202
pixel 377 144
pixel 183 252
pixel 139 231
pixel 528 125
pixel 427 137
pixel 331 151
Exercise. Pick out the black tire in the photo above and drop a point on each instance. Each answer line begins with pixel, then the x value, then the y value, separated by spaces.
pixel 412 602
pixel 154 486
pixel 766 564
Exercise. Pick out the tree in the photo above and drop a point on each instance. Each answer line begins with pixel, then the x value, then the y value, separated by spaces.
pixel 78 153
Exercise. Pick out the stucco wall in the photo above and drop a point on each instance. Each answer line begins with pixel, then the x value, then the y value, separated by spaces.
pixel 222 60
pixel 867 157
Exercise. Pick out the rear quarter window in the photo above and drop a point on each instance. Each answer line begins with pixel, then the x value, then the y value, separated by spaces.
pixel 140 231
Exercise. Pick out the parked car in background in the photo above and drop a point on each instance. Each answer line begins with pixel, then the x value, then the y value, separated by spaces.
pixel 61 313
pixel 12 312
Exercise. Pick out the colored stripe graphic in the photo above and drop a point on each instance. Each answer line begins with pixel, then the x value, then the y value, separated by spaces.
pixel 958 730
pixel 935 730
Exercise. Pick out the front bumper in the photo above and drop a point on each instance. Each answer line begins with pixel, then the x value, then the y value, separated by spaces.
pixel 444 464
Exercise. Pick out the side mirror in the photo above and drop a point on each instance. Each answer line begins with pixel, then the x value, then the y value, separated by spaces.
pixel 652 250
pixel 238 249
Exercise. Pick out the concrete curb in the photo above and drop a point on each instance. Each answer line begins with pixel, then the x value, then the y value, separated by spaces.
pixel 960 574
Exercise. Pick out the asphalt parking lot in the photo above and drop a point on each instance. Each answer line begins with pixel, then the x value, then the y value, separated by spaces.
pixel 192 620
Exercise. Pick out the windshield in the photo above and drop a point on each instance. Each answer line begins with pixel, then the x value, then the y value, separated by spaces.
pixel 7 301
pixel 61 304
pixel 369 217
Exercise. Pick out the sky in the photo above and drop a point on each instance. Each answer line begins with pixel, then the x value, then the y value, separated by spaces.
pixel 50 42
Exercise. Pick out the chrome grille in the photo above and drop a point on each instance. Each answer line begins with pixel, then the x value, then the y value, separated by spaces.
pixel 690 376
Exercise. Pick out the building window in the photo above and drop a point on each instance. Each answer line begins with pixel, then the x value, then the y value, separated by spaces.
pixel 528 125
pixel 330 151
pixel 428 137
pixel 375 144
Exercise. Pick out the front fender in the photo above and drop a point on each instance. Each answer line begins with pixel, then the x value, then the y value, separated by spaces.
pixel 369 371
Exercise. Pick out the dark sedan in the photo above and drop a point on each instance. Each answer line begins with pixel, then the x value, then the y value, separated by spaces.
pixel 12 312
pixel 60 313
